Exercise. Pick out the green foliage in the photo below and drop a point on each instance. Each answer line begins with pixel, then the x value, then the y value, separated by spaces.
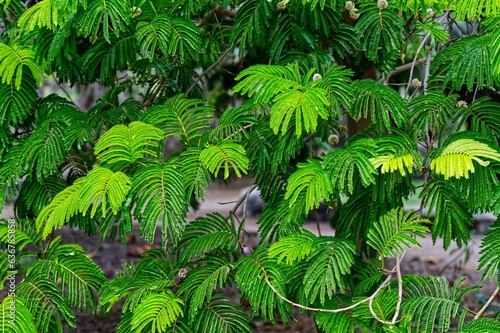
pixel 123 113
pixel 431 301
pixel 396 231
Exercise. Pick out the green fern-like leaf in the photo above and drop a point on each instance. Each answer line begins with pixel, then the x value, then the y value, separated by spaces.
pixel 380 33
pixel 465 62
pixel 431 302
pixel 16 103
pixel 170 35
pixel 396 152
pixel 123 145
pixel 219 315
pixel 13 59
pixel 312 179
pixel 158 191
pixel 156 312
pixel 78 276
pixel 23 321
pixel 341 322
pixel 382 104
pixel 104 16
pixel 481 325
pixel 250 278
pixel 350 161
pixel 206 234
pixel 458 157
pixel 329 259
pixel 475 9
pixel 46 303
pixel 36 194
pixel 201 283
pixel 396 231
pixel 483 115
pixel 25 233
pixel 452 218
pixel 227 155
pixel 250 25
pixel 489 256
pixel 99 188
pixel 432 110
pixel 181 116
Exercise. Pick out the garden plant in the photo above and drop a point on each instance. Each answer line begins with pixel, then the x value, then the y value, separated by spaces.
pixel 355 106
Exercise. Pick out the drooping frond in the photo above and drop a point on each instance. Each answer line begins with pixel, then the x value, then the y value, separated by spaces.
pixel 353 160
pixel 396 152
pixel 459 157
pixel 265 82
pixel 169 35
pixel 100 188
pixel 312 179
pixel 481 325
pixel 13 58
pixel 103 61
pixel 379 102
pixel 489 254
pixel 205 234
pixel 281 220
pixel 233 124
pixel 396 231
pixel 465 62
pixel 329 258
pixel 106 16
pixel 251 23
pixel 433 29
pixel 181 116
pixel 47 13
pixel 452 218
pixel 304 102
pixel 36 194
pixel 159 194
pixel 337 84
pixel 250 279
pixel 25 233
pixel 380 34
pixel 44 300
pixel 219 315
pixel 16 102
pixel 196 175
pixel 471 9
pixel 201 282
pixel 483 115
pixel 78 277
pixel 23 321
pixel 431 302
pixel 432 110
pixel 227 155
pixel 124 145
pixel 157 312
pixel 341 322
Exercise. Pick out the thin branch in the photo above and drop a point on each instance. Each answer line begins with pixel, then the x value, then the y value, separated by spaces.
pixel 241 199
pixel 481 312
pixel 400 289
pixel 198 79
pixel 347 308
pixel 155 93
pixel 402 68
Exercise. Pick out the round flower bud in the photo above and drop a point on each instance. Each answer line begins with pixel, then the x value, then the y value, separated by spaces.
pixel 462 104
pixel 382 4
pixel 349 6
pixel 353 14
pixel 281 6
pixel 415 83
pixel 317 77
pixel 430 12
pixel 333 139
pixel 182 273
pixel 342 129
pixel 136 11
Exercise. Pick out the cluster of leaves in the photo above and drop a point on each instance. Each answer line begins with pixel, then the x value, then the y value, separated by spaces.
pixel 292 72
